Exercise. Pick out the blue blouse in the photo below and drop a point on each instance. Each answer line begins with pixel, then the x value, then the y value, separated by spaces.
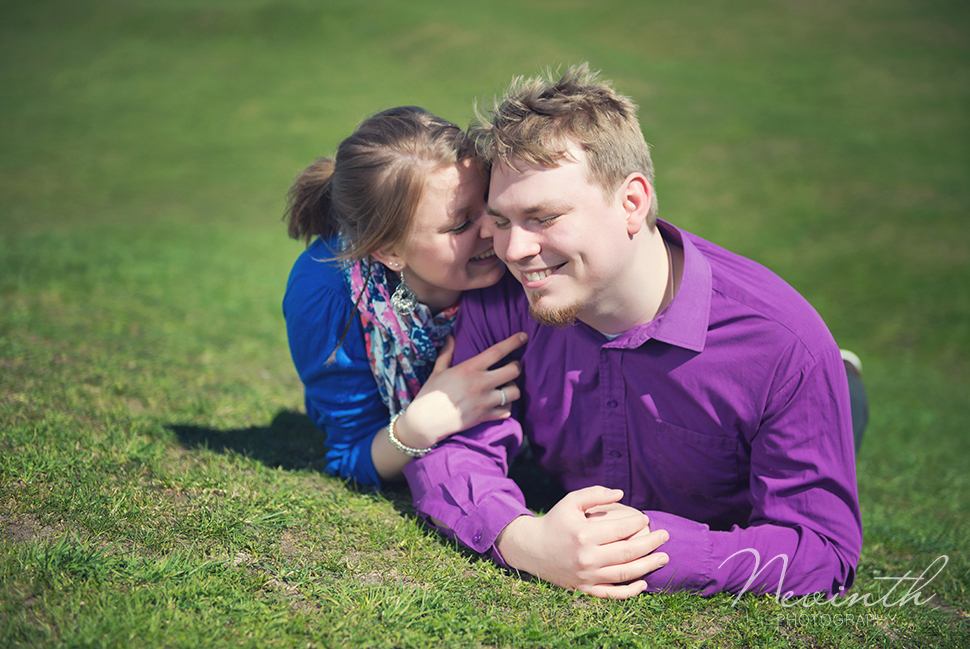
pixel 341 396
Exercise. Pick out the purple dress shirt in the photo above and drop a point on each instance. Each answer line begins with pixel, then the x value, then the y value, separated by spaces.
pixel 726 420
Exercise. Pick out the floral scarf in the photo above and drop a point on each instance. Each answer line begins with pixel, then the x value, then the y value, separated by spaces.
pixel 402 349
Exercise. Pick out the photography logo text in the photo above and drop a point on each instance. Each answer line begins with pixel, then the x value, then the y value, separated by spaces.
pixel 894 597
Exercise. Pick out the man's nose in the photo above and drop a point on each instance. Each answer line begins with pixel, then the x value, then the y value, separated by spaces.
pixel 522 244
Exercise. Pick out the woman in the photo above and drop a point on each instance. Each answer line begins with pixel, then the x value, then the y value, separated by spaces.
pixel 393 234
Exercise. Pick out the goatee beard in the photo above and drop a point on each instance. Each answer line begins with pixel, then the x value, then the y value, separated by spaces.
pixel 559 318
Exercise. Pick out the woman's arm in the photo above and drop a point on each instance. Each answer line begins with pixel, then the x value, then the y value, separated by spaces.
pixel 327 344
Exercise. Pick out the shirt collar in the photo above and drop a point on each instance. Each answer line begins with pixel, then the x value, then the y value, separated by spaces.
pixel 685 321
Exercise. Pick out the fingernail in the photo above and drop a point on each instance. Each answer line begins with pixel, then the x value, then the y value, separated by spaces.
pixel 665 537
pixel 663 561
pixel 523 337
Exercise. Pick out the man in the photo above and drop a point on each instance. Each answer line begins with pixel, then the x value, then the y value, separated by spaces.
pixel 692 403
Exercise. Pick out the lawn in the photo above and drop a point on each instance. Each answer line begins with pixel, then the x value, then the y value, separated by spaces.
pixel 160 484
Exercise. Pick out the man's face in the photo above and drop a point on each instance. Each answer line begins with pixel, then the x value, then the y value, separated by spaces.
pixel 560 237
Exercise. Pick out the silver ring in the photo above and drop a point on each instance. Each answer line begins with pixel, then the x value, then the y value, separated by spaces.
pixel 504 400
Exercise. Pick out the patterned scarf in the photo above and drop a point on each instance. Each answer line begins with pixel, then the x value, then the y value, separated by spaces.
pixel 402 349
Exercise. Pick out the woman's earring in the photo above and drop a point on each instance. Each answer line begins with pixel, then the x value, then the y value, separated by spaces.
pixel 403 300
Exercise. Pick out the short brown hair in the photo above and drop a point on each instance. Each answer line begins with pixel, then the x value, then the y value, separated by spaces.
pixel 539 117
pixel 370 191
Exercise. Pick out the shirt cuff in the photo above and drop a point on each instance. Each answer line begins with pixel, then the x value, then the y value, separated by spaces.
pixel 493 551
pixel 478 527
pixel 690 549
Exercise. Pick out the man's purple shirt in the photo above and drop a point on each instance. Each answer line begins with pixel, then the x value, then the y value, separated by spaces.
pixel 725 419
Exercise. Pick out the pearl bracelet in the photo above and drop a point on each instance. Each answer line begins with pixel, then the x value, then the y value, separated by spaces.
pixel 396 443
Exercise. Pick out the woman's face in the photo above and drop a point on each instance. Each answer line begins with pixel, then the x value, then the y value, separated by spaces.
pixel 445 251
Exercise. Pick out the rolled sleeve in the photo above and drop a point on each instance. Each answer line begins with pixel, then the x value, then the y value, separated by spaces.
pixel 463 485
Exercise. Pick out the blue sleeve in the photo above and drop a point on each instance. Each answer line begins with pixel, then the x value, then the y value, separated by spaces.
pixel 341 395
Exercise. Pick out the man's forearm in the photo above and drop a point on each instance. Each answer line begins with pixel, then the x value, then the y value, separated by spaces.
pixel 762 558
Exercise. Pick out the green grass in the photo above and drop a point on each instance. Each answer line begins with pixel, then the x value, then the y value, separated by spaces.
pixel 159 484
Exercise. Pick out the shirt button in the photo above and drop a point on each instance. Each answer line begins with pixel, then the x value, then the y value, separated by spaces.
pixel 477 537
pixel 615 454
pixel 612 403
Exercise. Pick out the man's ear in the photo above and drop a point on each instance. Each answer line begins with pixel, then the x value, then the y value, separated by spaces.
pixel 390 258
pixel 636 194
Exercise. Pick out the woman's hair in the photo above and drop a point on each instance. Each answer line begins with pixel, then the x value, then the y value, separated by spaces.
pixel 370 191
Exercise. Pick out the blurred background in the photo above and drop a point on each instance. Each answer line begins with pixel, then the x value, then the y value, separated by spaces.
pixel 146 148
pixel 827 139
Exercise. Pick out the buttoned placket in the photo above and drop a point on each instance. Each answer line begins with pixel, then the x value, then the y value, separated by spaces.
pixel 616 444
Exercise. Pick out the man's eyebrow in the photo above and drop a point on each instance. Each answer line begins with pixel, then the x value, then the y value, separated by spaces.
pixel 535 209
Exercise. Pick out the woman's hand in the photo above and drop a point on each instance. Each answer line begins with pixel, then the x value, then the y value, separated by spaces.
pixel 456 398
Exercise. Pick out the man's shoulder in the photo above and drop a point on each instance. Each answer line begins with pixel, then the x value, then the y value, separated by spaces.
pixel 505 299
pixel 741 283
pixel 491 314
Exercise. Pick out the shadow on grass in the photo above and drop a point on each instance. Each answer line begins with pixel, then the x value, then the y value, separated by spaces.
pixel 290 441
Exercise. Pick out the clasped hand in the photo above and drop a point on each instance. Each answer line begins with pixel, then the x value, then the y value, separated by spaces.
pixel 588 542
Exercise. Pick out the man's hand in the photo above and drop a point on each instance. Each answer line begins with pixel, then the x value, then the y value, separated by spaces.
pixel 588 542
